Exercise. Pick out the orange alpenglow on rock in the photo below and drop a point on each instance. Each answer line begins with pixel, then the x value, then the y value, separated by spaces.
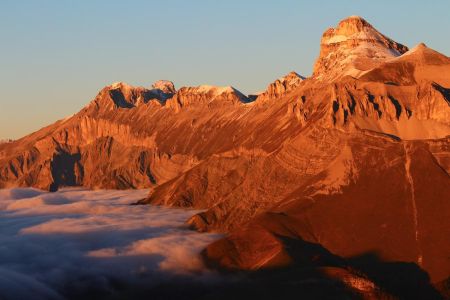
pixel 353 47
pixel 281 86
pixel 352 161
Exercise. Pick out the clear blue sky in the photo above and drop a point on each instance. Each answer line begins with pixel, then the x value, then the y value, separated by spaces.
pixel 56 55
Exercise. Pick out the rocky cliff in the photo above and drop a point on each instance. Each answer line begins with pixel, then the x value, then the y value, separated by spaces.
pixel 280 87
pixel 353 47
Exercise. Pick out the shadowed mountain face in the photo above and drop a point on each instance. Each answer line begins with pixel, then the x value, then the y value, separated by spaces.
pixel 355 159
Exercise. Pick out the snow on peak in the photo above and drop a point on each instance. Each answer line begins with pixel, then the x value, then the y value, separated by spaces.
pixel 165 86
pixel 352 47
pixel 212 92
pixel 352 28
pixel 119 85
pixel 216 90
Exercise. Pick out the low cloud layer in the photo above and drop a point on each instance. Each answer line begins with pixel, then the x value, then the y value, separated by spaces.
pixel 78 242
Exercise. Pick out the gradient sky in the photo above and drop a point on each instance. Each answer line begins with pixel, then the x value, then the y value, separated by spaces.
pixel 56 55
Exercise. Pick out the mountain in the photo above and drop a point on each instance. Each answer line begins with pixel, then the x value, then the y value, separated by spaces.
pixel 353 47
pixel 350 165
pixel 126 137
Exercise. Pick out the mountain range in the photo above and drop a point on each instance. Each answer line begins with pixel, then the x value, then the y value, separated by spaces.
pixel 346 170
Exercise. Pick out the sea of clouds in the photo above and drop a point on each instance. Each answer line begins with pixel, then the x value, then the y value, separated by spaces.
pixel 76 242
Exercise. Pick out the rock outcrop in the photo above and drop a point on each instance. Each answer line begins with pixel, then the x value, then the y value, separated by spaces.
pixel 165 86
pixel 281 86
pixel 353 47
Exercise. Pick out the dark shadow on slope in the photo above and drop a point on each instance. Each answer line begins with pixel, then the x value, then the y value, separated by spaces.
pixel 119 99
pixel 444 288
pixel 320 274
pixel 445 92
pixel 375 105
pixel 315 273
pixel 404 280
pixel 66 170
pixel 307 254
pixel 397 105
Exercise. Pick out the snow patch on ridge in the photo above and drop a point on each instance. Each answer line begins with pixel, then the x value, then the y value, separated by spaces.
pixel 216 90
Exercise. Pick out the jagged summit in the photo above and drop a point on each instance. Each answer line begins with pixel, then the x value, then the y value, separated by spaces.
pixel 292 76
pixel 353 25
pixel 353 47
pixel 281 86
pixel 119 85
pixel 211 89
pixel 165 86
pixel 357 29
pixel 208 94
pixel 124 95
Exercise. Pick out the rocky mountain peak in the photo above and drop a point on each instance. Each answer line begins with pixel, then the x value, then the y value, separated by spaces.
pixel 352 25
pixel 210 89
pixel 119 85
pixel 281 86
pixel 165 86
pixel 292 77
pixel 207 94
pixel 123 95
pixel 353 47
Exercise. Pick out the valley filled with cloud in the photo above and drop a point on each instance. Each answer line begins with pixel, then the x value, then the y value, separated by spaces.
pixel 76 242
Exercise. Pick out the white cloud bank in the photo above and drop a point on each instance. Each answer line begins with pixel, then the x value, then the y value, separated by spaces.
pixel 78 242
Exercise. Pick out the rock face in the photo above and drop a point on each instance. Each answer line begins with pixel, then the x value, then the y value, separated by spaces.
pixel 355 159
pixel 126 137
pixel 281 86
pixel 165 86
pixel 206 95
pixel 353 47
